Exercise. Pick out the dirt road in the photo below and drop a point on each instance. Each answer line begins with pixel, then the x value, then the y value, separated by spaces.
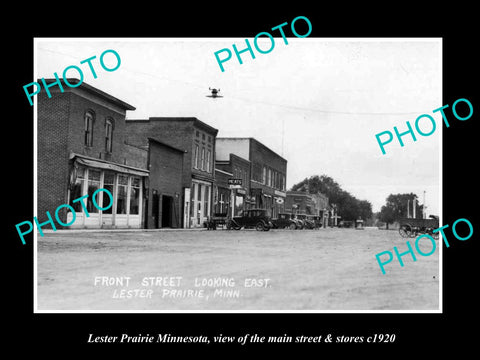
pixel 326 269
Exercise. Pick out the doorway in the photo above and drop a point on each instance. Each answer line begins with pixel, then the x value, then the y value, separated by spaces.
pixel 167 207
pixel 155 209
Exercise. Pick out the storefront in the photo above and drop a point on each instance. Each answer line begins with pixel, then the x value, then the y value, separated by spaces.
pixel 125 183
pixel 200 199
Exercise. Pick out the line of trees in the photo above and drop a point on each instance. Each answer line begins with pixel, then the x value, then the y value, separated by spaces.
pixel 348 206
pixel 399 206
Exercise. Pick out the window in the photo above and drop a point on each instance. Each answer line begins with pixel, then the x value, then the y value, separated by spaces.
pixel 76 189
pixel 135 196
pixel 208 160
pixel 108 135
pixel 195 160
pixel 206 200
pixel 203 159
pixel 89 117
pixel 209 139
pixel 108 181
pixel 93 185
pixel 269 177
pixel 122 194
pixel 264 176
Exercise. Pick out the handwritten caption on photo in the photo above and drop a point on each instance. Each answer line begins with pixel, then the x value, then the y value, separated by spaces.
pixel 177 287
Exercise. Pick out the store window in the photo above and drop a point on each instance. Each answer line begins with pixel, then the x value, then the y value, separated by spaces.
pixel 135 196
pixel 108 183
pixel 76 189
pixel 206 201
pixel 93 185
pixel 122 188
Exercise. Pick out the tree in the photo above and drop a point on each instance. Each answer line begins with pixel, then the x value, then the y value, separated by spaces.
pixel 348 207
pixel 396 208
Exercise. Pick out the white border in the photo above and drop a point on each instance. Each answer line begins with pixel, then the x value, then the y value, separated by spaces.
pixel 439 244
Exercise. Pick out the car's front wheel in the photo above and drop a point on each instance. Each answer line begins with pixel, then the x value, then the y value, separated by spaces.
pixel 260 226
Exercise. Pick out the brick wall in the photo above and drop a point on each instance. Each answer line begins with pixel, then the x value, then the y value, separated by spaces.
pixel 52 154
pixel 176 133
pixel 166 165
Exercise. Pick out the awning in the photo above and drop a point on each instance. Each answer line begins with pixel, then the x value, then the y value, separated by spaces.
pixel 81 160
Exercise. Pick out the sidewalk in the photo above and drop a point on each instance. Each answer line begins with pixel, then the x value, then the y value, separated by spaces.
pixel 73 231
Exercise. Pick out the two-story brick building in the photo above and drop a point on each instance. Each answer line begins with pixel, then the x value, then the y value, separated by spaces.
pixel 80 149
pixel 197 140
pixel 267 172
pixel 239 171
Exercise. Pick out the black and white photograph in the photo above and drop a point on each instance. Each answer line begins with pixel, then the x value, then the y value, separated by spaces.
pixel 277 181
pixel 218 177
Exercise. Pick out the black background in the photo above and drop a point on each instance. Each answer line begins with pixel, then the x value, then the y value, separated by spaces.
pixel 67 334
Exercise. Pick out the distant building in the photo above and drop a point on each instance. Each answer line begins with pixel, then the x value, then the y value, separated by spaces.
pixel 267 174
pixel 81 148
pixel 300 202
pixel 197 140
pixel 238 169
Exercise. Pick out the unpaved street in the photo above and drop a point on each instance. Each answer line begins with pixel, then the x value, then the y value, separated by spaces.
pixel 326 269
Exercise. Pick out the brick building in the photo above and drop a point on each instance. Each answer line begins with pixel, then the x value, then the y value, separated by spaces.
pixel 239 171
pixel 197 140
pixel 267 172
pixel 164 207
pixel 80 149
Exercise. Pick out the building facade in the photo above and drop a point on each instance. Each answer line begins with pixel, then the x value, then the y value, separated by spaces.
pixel 80 149
pixel 238 183
pixel 267 172
pixel 164 207
pixel 197 140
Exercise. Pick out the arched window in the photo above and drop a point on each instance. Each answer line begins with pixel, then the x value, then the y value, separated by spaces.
pixel 109 126
pixel 89 119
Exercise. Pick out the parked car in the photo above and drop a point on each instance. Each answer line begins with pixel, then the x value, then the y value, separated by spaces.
pixel 318 221
pixel 307 223
pixel 252 218
pixel 285 221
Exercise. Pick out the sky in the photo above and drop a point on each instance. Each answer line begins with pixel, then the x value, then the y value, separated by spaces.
pixel 318 102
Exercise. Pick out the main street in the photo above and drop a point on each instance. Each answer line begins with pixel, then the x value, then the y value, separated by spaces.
pixel 326 269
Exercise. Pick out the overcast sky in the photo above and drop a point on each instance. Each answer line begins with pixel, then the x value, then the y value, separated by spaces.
pixel 317 102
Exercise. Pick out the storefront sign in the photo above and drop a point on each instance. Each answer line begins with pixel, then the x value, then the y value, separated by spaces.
pixel 234 181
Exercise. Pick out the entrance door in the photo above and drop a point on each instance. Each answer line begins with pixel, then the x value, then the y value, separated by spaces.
pixel 167 207
pixel 155 209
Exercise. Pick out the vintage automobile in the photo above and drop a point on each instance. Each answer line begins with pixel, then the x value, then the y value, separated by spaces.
pixel 252 218
pixel 317 220
pixel 307 223
pixel 285 221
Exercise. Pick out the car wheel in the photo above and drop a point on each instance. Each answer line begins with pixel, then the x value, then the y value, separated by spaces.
pixel 259 226
pixel 292 226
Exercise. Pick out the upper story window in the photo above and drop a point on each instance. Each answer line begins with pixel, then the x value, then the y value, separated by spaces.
pixel 89 119
pixel 195 160
pixel 108 135
pixel 209 154
pixel 264 175
pixel 203 159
